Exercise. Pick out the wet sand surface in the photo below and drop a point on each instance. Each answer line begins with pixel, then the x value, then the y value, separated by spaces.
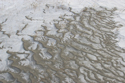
pixel 80 47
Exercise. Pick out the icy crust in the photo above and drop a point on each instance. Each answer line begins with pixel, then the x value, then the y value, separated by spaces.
pixel 77 48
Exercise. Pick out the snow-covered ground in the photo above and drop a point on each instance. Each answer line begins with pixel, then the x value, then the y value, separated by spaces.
pixel 16 10
pixel 20 18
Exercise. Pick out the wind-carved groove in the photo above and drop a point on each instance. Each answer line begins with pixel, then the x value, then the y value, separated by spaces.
pixel 83 50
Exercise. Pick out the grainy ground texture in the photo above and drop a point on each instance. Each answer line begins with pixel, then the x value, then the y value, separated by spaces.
pixel 62 41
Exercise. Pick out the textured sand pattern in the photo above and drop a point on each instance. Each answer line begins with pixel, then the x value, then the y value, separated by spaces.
pixel 78 48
